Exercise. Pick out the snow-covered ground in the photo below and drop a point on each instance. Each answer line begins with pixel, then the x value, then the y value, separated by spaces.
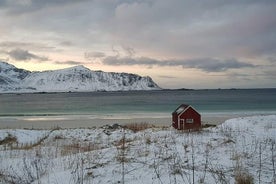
pixel 242 147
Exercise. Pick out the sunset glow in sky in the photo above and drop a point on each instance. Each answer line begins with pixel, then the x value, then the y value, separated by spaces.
pixel 179 43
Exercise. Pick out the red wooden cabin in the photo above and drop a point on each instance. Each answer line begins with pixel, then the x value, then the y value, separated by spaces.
pixel 185 117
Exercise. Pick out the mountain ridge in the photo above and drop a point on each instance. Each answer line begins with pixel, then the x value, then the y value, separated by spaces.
pixel 73 79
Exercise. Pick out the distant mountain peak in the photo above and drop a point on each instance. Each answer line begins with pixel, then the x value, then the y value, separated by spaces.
pixel 79 67
pixel 76 78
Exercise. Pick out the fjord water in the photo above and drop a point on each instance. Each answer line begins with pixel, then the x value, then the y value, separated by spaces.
pixel 139 103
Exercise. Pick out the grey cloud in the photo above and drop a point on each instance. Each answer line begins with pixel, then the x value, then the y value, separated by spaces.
pixel 66 43
pixel 92 55
pixel 68 63
pixel 270 74
pixel 199 28
pixel 117 61
pixel 240 77
pixel 129 50
pixel 21 7
pixel 26 45
pixel 214 65
pixel 166 76
pixel 204 29
pixel 20 55
pixel 13 44
pixel 117 52
pixel 189 29
pixel 272 59
pixel 204 64
pixel 267 74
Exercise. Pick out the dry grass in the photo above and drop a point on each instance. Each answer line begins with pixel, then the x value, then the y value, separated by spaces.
pixel 10 139
pixel 33 145
pixel 122 142
pixel 78 148
pixel 136 127
pixel 207 125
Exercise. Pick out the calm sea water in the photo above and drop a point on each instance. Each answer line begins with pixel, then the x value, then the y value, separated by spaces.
pixel 137 103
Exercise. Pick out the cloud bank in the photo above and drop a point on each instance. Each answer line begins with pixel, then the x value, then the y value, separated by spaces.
pixel 24 55
pixel 124 33
pixel 204 64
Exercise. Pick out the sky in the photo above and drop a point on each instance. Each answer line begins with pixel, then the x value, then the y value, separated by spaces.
pixel 179 43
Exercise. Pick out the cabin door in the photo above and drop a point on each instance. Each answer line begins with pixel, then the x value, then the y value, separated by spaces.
pixel 181 124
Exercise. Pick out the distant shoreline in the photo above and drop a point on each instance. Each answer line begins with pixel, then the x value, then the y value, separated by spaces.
pixel 105 91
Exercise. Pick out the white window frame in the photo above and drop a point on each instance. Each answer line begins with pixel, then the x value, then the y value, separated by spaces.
pixel 190 120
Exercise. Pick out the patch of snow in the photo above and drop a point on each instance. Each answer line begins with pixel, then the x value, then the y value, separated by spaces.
pixel 24 136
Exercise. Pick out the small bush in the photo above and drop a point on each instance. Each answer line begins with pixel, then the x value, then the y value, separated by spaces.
pixel 148 140
pixel 58 137
pixel 243 178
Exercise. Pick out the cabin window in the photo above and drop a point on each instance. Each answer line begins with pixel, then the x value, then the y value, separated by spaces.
pixel 189 120
pixel 182 121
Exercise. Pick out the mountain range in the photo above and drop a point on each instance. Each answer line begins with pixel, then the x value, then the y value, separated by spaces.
pixel 73 79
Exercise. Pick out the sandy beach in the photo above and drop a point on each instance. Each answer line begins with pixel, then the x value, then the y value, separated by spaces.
pixel 86 121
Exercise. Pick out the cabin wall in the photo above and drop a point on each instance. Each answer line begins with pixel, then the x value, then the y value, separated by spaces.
pixel 190 114
pixel 175 120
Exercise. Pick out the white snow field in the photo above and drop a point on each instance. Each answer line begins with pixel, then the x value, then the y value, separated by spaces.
pixel 240 148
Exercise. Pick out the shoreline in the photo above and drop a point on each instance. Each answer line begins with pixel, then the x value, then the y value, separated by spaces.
pixel 87 121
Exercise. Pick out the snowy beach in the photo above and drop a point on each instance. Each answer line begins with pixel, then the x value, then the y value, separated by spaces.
pixel 87 121
pixel 238 149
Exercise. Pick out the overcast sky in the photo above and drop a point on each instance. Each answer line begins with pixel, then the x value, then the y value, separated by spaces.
pixel 179 43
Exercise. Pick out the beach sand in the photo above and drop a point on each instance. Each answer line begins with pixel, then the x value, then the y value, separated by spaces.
pixel 86 121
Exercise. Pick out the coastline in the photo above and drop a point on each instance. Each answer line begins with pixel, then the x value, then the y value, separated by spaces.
pixel 87 121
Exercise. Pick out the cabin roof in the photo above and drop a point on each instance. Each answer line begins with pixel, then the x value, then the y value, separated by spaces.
pixel 181 108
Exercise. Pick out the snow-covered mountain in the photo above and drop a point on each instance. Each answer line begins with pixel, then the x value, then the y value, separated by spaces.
pixel 78 78
pixel 11 77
